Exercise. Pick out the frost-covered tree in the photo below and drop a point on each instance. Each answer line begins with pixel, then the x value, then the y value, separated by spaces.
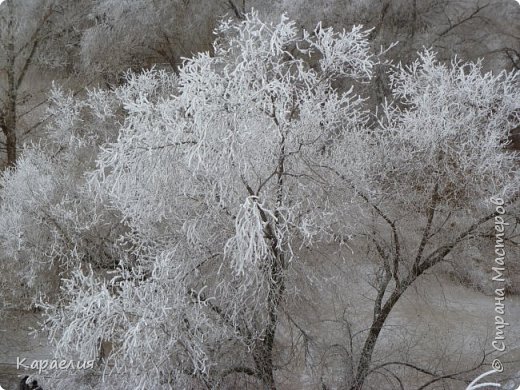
pixel 431 165
pixel 50 221
pixel 221 185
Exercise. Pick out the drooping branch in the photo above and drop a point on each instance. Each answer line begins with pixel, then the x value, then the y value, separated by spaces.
pixel 436 377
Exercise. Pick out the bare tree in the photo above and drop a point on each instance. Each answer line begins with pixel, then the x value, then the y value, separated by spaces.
pixel 20 41
pixel 418 221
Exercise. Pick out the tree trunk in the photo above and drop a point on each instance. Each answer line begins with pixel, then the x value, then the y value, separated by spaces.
pixel 11 148
pixel 370 343
pixel 263 353
pixel 9 129
pixel 9 111
pixel 263 357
